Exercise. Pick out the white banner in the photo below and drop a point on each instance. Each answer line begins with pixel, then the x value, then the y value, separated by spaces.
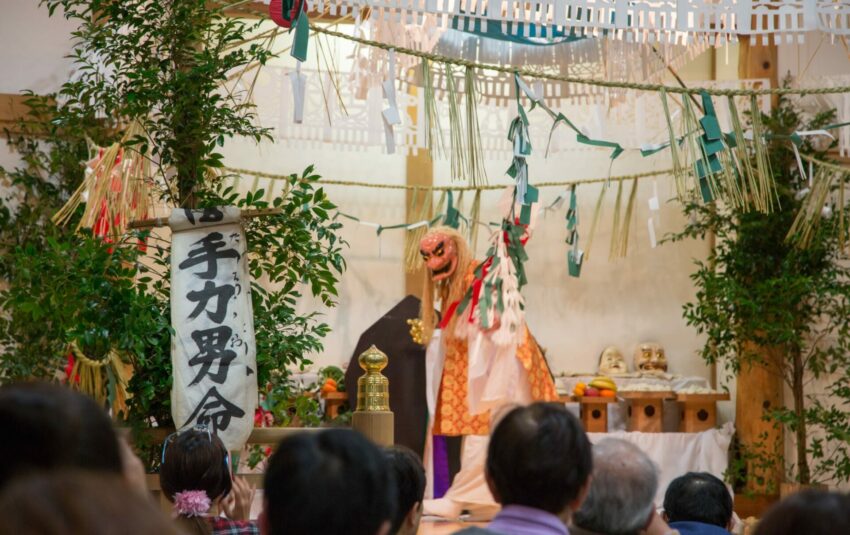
pixel 213 351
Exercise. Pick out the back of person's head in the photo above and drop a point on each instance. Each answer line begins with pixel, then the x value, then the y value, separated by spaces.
pixel 66 503
pixel 620 501
pixel 410 485
pixel 812 512
pixel 333 482
pixel 194 470
pixel 698 497
pixel 50 426
pixel 539 456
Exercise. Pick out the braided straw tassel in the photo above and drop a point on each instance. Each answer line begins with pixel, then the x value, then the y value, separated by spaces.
pixel 110 389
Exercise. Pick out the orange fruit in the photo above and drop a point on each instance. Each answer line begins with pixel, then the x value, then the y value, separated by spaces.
pixel 329 386
pixel 608 393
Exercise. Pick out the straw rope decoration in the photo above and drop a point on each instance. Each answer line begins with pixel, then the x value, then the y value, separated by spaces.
pixel 627 221
pixel 765 174
pixel 433 131
pixel 808 218
pixel 615 229
pixel 531 73
pixel 476 175
pixel 110 389
pixel 474 216
pixel 412 237
pixel 457 150
pixel 115 192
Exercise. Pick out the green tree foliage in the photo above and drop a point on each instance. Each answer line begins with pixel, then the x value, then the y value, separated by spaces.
pixel 165 65
pixel 758 294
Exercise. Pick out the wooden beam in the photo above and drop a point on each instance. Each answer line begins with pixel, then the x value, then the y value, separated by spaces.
pixel 420 172
pixel 13 109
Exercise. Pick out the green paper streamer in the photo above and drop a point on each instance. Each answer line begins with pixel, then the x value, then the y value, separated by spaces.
pixel 302 37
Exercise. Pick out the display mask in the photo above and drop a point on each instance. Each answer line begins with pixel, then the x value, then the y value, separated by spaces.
pixel 440 254
pixel 612 362
pixel 649 357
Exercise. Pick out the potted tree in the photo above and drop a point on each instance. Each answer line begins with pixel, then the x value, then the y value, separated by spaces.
pixel 168 67
pixel 763 298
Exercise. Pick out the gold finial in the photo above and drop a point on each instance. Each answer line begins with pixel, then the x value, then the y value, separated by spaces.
pixel 373 389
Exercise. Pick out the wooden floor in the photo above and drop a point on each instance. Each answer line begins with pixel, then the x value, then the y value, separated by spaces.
pixel 431 527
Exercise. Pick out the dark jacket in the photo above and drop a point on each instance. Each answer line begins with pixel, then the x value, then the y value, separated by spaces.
pixel 697 528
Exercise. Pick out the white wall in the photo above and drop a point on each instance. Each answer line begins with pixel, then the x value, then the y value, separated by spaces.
pixel 32 54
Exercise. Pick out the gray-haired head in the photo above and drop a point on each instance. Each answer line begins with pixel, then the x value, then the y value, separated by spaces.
pixel 622 490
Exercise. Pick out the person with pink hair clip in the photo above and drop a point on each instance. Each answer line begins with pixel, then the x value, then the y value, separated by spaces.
pixel 195 476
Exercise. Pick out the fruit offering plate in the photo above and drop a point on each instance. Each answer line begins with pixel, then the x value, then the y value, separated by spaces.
pixel 676 384
pixel 593 399
pixel 646 394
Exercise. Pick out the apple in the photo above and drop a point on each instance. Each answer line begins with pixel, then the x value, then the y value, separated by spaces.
pixel 592 392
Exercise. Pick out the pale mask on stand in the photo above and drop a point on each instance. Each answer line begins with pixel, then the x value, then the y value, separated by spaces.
pixel 612 362
pixel 649 357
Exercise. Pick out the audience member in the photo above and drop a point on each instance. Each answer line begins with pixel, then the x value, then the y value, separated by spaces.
pixel 538 467
pixel 195 477
pixel 51 427
pixel 333 482
pixel 623 487
pixel 73 502
pixel 698 503
pixel 812 512
pixel 410 484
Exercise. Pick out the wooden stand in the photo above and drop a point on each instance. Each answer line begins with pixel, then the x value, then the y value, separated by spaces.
pixel 377 426
pixel 594 413
pixel 646 410
pixel 699 411
pixel 333 401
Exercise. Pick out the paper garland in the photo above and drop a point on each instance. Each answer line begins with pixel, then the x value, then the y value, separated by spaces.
pixel 636 21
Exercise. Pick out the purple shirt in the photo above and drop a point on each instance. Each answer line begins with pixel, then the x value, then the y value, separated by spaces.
pixel 522 520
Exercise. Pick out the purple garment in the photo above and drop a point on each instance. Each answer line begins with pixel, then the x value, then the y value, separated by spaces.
pixel 522 520
pixel 442 478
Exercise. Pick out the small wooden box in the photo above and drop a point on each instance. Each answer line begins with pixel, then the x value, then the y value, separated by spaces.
pixel 646 410
pixel 594 413
pixel 699 411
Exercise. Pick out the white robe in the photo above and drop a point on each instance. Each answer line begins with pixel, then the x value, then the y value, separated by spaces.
pixel 497 382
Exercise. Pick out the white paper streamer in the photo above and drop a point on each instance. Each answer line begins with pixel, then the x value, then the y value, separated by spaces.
pixel 390 114
pixel 299 87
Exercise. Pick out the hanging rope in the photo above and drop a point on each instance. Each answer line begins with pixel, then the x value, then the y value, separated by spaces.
pixel 488 187
pixel 509 69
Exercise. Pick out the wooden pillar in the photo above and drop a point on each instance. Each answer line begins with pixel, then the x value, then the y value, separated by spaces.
pixel 420 172
pixel 756 60
pixel 758 387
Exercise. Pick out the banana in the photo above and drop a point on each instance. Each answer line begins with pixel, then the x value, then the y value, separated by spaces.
pixel 603 383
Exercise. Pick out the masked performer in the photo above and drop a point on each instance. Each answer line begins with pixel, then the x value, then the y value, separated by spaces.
pixel 473 370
